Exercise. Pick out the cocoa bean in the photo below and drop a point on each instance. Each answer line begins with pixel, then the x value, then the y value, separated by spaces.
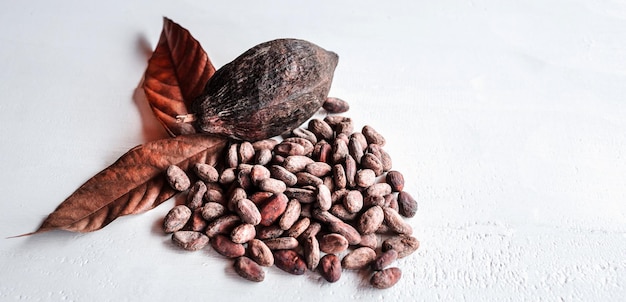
pixel 333 243
pixel 232 156
pixel 385 259
pixel 344 128
pixel 306 134
pixel 305 196
pixel 248 269
pixel 289 261
pixel 273 208
pixel 311 252
pixel 281 243
pixel 283 174
pixel 190 240
pixel 234 196
pixel 308 179
pixel 305 143
pixel 260 197
pixel 312 230
pixel 196 221
pixel 370 161
pixel 395 222
pixel 196 195
pixel 319 169
pixel 259 173
pixel 267 144
pixel 272 185
pixel 177 178
pixel 260 253
pixel 340 151
pixel 386 278
pixel 291 215
pixel 323 152
pixel 206 172
pixel 321 129
pixel 228 176
pixel 379 189
pixel 361 139
pixel 407 205
pixel 243 233
pixel 404 245
pixel 212 210
pixel 369 240
pixel 365 178
pixel 355 149
pixel 372 136
pixel 340 211
pixel 347 231
pixel 359 258
pixel 335 105
pixel 248 212
pixel 222 225
pixel 330 268
pixel 225 247
pixel 353 201
pixel 299 227
pixel 371 220
pixel 350 168
pixel 246 152
pixel 339 176
pixel 296 163
pixel 176 218
pixel 289 148
pixel 263 156
pixel 324 201
pixel 272 231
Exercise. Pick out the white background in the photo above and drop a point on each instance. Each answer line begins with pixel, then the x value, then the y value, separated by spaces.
pixel 507 120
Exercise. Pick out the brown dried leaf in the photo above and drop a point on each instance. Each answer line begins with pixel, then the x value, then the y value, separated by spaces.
pixel 133 184
pixel 177 73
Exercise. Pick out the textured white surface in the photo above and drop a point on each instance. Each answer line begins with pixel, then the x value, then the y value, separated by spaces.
pixel 506 119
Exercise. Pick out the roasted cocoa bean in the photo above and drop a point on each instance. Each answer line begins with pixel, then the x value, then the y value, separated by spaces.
pixel 319 169
pixel 305 143
pixel 232 156
pixel 263 157
pixel 339 176
pixel 404 245
pixel 308 179
pixel 324 201
pixel 359 258
pixel 267 232
pixel 196 221
pixel 289 261
pixel 228 176
pixel 312 230
pixel 386 278
pixel 267 144
pixel 347 231
pixel 259 173
pixel 379 189
pixel 176 218
pixel 355 149
pixel 330 268
pixel 248 269
pixel 289 148
pixel 340 151
pixel 190 240
pixel 305 196
pixel 177 178
pixel 340 211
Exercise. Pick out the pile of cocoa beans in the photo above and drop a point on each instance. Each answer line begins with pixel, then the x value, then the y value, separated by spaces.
pixel 323 198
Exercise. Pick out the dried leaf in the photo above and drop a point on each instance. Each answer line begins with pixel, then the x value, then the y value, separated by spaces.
pixel 133 184
pixel 177 73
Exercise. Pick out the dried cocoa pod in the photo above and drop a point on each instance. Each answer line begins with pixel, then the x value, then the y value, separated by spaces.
pixel 196 195
pixel 248 269
pixel 359 258
pixel 206 172
pixel 190 240
pixel 371 220
pixel 176 218
pixel 260 253
pixel 212 210
pixel 311 252
pixel 385 259
pixel 243 233
pixel 372 136
pixel 333 243
pixel 407 205
pixel 225 247
pixel 222 225
pixel 395 222
pixel 273 208
pixel 177 178
pixel 330 268
pixel 386 278
pixel 289 261
pixel 291 215
pixel 396 180
pixel 281 243
pixel 404 245
pixel 335 105
pixel 293 81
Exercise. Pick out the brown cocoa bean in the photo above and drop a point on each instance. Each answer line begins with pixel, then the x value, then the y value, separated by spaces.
pixel 283 174
pixel 305 196
pixel 323 152
pixel 306 134
pixel 305 143
pixel 259 173
pixel 232 156
pixel 333 243
pixel 374 200
pixel 222 225
pixel 228 176
pixel 321 129
pixel 212 210
pixel 243 179
pixel 369 240
pixel 263 156
pixel 260 197
pixel 407 205
pixel 383 156
pixel 308 179
pixel 248 269
pixel 386 278
pixel 371 220
pixel 339 176
pixel 338 195
pixel 395 222
pixel 370 161
pixel 190 240
pixel 311 252
pixel 177 178
pixel 225 247
pixel 359 258
pixel 344 128
pixel 296 79
pixel 385 259
pixel 273 208
pixel 247 211
pixel 347 231
pixel 379 189
pixel 299 227
pixel 281 243
pixel 324 201
pixel 340 211
pixel 196 222
pixel 365 178
pixel 330 268
pixel 289 261
pixel 234 196
pixel 361 139
pixel 291 215
pixel 335 105
pixel 350 168
pixel 391 201
pixel 319 169
pixel 196 195
pixel 260 253
pixel 353 201
pixel 243 233
pixel 272 185
pixel 176 218
pixel 312 230
pixel 372 136
pixel 214 194
pixel 296 163
pixel 246 152
pixel 206 172
pixel 272 231
pixel 340 151
pixel 334 120
pixel 404 245
pixel 267 144
pixel 289 148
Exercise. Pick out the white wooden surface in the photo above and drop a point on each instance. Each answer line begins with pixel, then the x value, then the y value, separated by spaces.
pixel 507 119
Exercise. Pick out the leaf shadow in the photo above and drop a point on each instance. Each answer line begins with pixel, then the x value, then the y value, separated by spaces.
pixel 151 127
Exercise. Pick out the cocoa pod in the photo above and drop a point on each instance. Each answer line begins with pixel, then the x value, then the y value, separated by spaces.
pixel 293 81
pixel 359 258
pixel 404 245
pixel 260 253
pixel 176 218
pixel 225 247
pixel 190 240
pixel 289 261
pixel 330 268
pixel 386 278
pixel 248 269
